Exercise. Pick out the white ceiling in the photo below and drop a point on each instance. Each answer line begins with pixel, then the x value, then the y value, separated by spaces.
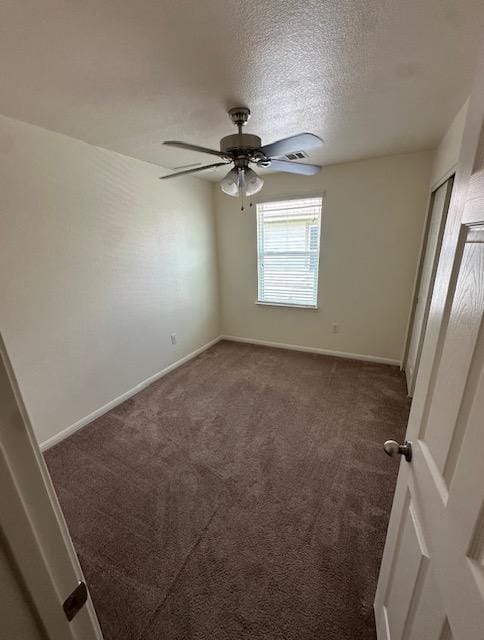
pixel 371 77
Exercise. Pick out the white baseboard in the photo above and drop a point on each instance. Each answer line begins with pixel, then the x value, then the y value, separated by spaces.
pixel 65 433
pixel 324 352
pixel 58 437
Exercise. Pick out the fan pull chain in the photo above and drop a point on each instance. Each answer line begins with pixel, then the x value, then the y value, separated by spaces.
pixel 242 208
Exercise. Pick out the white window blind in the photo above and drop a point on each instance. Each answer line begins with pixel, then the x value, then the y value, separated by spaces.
pixel 288 234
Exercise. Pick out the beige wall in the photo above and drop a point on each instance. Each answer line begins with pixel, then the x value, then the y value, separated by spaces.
pixel 99 263
pixel 372 224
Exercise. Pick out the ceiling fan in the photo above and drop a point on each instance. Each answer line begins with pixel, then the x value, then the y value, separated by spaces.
pixel 242 149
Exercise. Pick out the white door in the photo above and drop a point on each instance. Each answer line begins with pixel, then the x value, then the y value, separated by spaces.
pixel 431 584
pixel 436 224
pixel 32 526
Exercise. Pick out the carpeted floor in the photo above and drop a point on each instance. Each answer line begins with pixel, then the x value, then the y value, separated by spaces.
pixel 244 496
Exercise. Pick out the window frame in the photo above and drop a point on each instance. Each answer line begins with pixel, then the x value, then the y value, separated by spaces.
pixel 266 200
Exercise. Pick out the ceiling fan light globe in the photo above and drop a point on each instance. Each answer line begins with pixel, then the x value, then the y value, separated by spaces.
pixel 230 184
pixel 253 183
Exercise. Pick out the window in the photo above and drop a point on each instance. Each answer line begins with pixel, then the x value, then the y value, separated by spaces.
pixel 288 235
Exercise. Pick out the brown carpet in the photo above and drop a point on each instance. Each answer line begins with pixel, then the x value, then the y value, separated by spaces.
pixel 244 496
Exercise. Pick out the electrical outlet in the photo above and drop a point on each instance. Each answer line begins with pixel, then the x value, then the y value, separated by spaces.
pixel 335 327
pixel 173 338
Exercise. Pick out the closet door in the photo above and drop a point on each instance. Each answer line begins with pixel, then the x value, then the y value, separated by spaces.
pixel 428 267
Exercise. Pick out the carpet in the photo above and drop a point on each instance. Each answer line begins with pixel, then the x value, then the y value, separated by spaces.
pixel 244 496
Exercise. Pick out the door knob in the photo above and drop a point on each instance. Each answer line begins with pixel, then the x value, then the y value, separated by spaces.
pixel 392 448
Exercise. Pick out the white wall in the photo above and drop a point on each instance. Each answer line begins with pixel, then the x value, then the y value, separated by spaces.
pixel 372 224
pixel 447 153
pixel 99 263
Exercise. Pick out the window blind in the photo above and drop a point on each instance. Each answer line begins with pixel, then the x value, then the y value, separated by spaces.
pixel 288 238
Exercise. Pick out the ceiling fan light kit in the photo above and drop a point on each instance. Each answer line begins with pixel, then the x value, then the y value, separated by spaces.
pixel 241 149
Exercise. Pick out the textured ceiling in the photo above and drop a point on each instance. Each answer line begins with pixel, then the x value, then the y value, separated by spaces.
pixel 371 77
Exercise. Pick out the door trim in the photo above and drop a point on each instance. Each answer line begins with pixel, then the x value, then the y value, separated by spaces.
pixel 32 522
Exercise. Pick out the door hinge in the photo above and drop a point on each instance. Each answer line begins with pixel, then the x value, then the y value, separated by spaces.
pixel 75 601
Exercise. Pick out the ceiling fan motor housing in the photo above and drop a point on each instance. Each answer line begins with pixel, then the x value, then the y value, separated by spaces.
pixel 240 141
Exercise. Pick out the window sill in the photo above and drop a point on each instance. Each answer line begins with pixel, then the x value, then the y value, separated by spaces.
pixel 287 305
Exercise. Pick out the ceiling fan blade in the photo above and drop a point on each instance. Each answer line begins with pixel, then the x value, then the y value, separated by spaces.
pixel 195 147
pixel 295 167
pixel 187 171
pixel 299 142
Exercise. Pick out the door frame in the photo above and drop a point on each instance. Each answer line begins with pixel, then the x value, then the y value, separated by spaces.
pixel 32 524
pixel 449 176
